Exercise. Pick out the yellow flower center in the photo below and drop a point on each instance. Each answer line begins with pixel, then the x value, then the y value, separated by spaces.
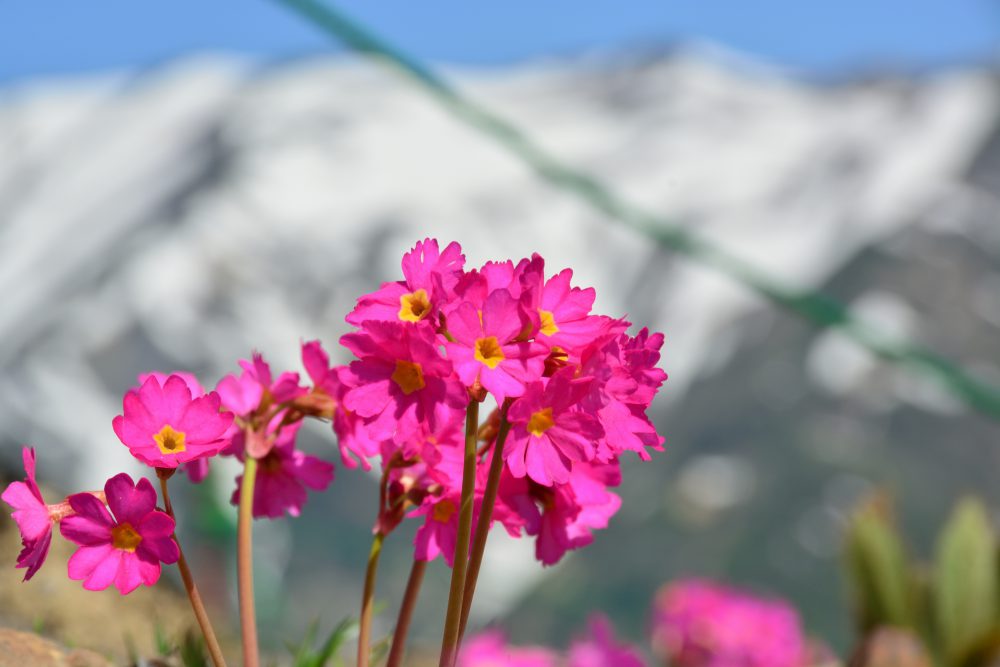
pixel 409 376
pixel 125 537
pixel 548 323
pixel 540 421
pixel 169 440
pixel 488 351
pixel 414 306
pixel 443 511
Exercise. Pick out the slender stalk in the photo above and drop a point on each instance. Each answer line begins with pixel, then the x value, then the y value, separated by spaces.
pixel 211 643
pixel 483 526
pixel 449 642
pixel 368 600
pixel 244 564
pixel 406 613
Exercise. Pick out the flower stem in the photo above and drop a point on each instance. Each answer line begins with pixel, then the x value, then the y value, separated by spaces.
pixel 368 600
pixel 244 564
pixel 211 643
pixel 483 526
pixel 406 613
pixel 449 642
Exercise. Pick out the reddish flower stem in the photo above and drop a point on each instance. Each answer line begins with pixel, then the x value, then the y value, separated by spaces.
pixel 211 643
pixel 450 640
pixel 483 526
pixel 406 613
pixel 368 601
pixel 244 564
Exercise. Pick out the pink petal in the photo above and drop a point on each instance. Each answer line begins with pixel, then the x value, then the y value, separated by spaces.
pixel 31 515
pixel 86 559
pixel 155 525
pixel 85 531
pixel 129 502
pixel 129 575
pixel 159 549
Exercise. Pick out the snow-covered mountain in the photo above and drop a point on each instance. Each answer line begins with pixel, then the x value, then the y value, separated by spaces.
pixel 177 218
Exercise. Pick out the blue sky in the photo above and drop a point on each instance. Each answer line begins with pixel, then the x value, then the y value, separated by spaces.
pixel 49 37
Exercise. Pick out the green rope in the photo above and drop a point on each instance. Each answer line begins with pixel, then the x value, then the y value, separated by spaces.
pixel 813 306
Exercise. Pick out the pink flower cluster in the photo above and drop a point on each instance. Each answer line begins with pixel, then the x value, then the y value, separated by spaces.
pixel 599 648
pixel 123 547
pixel 703 624
pixel 573 386
pixel 571 389
pixel 170 421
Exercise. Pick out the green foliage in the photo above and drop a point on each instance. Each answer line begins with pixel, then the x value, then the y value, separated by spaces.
pixel 965 581
pixel 306 656
pixel 878 570
pixel 953 607
pixel 192 650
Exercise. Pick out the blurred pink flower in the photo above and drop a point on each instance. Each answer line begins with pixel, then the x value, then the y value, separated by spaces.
pixel 600 649
pixel 490 649
pixel 125 549
pixel 703 624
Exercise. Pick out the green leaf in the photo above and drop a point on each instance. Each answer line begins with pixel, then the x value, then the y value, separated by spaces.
pixel 304 655
pixel 965 580
pixel 878 570
pixel 164 646
pixel 193 650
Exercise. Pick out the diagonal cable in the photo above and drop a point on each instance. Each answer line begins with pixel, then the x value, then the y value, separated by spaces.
pixel 815 307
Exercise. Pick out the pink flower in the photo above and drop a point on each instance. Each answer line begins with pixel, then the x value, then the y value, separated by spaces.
pixel 562 516
pixel 283 476
pixel 703 624
pixel 32 517
pixel 400 382
pixel 439 533
pixel 485 350
pixel 164 426
pixel 600 648
pixel 547 432
pixel 125 549
pixel 256 387
pixel 197 470
pixel 626 380
pixel 430 277
pixel 490 649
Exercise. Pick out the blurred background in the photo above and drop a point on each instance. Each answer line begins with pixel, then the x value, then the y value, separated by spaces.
pixel 183 182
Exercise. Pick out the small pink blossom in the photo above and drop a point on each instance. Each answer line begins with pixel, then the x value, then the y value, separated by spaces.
pixel 486 350
pixel 196 470
pixel 400 382
pixel 562 516
pixel 490 649
pixel 125 549
pixel 256 386
pixel 703 624
pixel 32 517
pixel 548 432
pixel 283 476
pixel 355 442
pixel 601 649
pixel 164 425
pixel 430 276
